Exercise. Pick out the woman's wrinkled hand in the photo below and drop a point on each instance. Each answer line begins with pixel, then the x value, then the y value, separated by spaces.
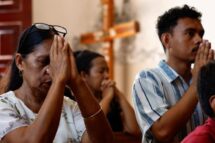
pixel 60 60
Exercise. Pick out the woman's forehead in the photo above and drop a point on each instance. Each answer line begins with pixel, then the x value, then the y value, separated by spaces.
pixel 99 62
pixel 42 49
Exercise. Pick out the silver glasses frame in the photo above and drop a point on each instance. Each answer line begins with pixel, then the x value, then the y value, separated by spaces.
pixel 60 30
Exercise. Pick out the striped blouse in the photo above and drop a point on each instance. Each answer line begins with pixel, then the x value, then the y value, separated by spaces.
pixel 154 92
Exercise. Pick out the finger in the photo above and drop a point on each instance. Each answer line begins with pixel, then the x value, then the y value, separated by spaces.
pixel 198 55
pixel 111 83
pixel 64 51
pixel 73 67
pixel 206 50
pixel 106 82
pixel 65 47
pixel 211 55
pixel 203 50
pixel 53 47
pixel 60 45
pixel 60 42
pixel 57 45
pixel 201 54
pixel 103 84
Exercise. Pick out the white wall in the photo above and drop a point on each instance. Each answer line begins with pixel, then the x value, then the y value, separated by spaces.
pixel 78 16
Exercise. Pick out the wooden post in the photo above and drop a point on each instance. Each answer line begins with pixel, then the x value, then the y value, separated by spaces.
pixel 108 19
pixel 110 32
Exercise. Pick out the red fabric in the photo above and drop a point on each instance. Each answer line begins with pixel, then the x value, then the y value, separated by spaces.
pixel 202 134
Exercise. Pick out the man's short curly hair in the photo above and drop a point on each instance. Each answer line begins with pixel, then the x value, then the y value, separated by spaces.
pixel 169 19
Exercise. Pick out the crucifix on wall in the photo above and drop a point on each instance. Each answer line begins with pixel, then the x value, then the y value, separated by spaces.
pixel 110 32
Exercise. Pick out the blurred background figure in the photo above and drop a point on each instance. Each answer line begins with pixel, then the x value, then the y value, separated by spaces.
pixel 94 70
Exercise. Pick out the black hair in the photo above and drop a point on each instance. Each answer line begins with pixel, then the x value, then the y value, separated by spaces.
pixel 206 87
pixel 28 41
pixel 167 21
pixel 84 60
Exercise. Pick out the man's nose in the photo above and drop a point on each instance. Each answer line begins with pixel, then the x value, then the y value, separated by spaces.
pixel 198 39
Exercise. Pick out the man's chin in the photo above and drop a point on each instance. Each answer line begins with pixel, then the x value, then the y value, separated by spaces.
pixel 192 61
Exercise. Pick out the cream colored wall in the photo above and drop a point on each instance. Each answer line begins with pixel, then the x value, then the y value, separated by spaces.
pixel 78 16
pixel 75 15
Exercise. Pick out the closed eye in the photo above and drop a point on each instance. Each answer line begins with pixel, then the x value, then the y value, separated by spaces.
pixel 190 32
pixel 43 61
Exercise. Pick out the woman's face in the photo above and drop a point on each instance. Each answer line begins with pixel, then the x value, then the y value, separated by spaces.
pixel 35 67
pixel 97 74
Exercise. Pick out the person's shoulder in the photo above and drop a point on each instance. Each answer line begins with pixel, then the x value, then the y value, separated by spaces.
pixel 151 73
pixel 9 93
pixel 8 100
pixel 200 134
pixel 8 96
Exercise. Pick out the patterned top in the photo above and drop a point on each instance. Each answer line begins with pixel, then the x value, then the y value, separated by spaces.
pixel 154 92
pixel 14 114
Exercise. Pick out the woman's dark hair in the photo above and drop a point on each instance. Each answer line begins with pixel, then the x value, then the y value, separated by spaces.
pixel 29 39
pixel 84 59
pixel 206 87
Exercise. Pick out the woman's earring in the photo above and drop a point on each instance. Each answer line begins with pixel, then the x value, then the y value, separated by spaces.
pixel 20 73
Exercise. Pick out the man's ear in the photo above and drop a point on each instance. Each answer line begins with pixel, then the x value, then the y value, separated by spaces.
pixel 165 39
pixel 212 102
pixel 19 62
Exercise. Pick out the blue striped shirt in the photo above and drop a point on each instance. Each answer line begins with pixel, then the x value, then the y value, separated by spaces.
pixel 154 92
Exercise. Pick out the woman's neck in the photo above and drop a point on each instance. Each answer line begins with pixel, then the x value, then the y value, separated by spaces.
pixel 30 98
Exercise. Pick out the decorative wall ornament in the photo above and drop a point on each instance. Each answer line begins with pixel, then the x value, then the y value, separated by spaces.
pixel 122 15
pixel 127 50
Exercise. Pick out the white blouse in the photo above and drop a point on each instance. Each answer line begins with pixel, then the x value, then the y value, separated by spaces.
pixel 14 114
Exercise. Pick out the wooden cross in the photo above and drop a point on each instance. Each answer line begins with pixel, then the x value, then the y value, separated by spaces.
pixel 110 32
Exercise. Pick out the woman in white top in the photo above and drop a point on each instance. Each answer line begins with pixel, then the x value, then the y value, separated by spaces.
pixel 33 109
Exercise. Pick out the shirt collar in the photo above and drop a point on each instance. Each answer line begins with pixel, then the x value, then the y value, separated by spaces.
pixel 169 72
